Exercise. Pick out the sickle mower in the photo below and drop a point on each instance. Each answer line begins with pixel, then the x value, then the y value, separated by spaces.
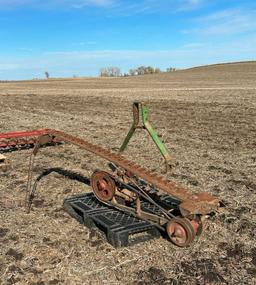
pixel 22 140
pixel 14 141
pixel 136 191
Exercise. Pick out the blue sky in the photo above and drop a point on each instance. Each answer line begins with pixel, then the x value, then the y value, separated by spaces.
pixel 78 37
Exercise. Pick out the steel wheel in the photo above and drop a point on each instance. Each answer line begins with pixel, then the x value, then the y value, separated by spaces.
pixel 103 185
pixel 180 231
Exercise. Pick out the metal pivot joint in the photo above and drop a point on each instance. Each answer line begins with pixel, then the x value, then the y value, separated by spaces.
pixel 141 110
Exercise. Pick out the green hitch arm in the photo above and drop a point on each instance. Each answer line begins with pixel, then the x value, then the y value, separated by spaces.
pixel 138 108
pixel 136 119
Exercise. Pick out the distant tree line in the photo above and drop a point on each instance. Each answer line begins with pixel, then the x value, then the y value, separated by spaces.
pixel 141 70
pixel 110 71
pixel 171 69
pixel 113 71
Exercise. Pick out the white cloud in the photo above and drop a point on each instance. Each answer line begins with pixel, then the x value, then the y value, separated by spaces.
pixel 83 63
pixel 154 6
pixel 79 4
pixel 190 54
pixel 226 22
pixel 99 2
pixel 6 4
pixel 118 7
pixel 187 5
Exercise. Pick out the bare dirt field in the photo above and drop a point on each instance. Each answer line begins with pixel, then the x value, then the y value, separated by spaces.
pixel 207 118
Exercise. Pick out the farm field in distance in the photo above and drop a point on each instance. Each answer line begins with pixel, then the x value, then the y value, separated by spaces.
pixel 207 118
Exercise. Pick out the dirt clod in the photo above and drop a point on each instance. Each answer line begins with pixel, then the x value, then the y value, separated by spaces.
pixel 14 253
pixel 3 232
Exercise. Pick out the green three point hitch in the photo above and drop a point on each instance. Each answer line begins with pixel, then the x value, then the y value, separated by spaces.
pixel 140 110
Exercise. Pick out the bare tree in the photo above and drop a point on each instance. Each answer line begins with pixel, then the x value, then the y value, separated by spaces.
pixel 149 70
pixel 141 70
pixel 132 72
pixel 110 71
pixel 103 72
pixel 47 75
pixel 170 69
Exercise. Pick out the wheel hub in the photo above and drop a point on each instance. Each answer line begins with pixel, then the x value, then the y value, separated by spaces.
pixel 103 185
pixel 181 231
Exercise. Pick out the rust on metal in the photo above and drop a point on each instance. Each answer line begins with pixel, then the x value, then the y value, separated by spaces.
pixel 103 185
pixel 22 138
pixel 181 231
pixel 202 203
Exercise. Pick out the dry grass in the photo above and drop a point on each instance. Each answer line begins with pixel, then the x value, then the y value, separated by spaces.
pixel 207 117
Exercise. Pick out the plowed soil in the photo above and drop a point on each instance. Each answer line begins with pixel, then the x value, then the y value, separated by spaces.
pixel 207 118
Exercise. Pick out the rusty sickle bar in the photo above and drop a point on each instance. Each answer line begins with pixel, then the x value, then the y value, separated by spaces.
pixel 200 203
pixel 21 139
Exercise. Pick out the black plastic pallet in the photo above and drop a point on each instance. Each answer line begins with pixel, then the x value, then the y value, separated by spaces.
pixel 117 225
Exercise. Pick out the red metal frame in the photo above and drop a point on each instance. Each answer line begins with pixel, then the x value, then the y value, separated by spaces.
pixel 11 135
pixel 21 138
